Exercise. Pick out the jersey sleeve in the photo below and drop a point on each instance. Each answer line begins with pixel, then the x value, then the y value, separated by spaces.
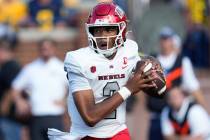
pixel 133 49
pixel 76 77
pixel 135 59
pixel 136 54
pixel 71 64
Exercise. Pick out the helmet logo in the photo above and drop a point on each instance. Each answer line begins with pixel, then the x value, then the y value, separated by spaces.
pixel 125 60
pixel 119 12
pixel 101 21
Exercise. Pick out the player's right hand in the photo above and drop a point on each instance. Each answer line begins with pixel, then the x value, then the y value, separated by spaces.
pixel 139 81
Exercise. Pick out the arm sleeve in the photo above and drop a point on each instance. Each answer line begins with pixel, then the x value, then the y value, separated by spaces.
pixel 166 127
pixel 190 82
pixel 199 121
pixel 21 81
pixel 135 55
pixel 71 64
pixel 76 77
pixel 77 82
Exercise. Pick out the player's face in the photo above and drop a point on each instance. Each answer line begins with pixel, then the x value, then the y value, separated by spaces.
pixel 176 98
pixel 166 46
pixel 105 36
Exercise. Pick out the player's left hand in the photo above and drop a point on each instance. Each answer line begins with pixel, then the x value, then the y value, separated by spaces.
pixel 139 81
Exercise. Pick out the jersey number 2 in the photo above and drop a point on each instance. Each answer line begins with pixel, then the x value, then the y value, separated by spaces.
pixel 109 89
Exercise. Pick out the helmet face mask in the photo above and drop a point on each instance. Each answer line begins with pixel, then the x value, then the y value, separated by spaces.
pixel 106 15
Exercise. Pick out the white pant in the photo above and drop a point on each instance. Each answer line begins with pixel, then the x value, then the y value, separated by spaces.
pixel 54 134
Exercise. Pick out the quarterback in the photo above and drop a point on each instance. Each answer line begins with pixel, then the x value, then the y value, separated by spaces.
pixel 101 77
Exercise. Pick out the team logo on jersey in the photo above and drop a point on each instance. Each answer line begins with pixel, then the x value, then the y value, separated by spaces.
pixel 125 60
pixel 93 69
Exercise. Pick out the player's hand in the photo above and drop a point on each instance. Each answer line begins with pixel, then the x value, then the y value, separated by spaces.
pixel 140 81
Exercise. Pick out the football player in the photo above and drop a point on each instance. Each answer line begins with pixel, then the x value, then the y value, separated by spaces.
pixel 100 77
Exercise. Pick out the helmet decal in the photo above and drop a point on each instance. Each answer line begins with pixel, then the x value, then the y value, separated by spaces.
pixel 119 12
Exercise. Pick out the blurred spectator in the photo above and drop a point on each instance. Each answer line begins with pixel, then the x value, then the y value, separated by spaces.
pixel 71 11
pixel 196 46
pixel 45 81
pixel 46 13
pixel 183 119
pixel 196 11
pixel 197 41
pixel 9 68
pixel 179 72
pixel 12 12
pixel 8 33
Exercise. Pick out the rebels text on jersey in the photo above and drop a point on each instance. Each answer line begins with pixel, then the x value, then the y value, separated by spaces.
pixel 89 70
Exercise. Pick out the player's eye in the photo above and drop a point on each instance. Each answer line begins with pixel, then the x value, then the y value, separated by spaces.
pixel 110 29
pixel 97 31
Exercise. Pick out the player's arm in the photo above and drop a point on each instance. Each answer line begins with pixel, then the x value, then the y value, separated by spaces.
pixel 92 112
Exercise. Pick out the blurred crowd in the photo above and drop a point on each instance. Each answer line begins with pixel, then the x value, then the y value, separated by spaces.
pixel 196 43
pixel 183 92
pixel 191 23
pixel 34 95
pixel 45 14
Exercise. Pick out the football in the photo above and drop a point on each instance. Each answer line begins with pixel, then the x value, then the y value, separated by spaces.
pixel 146 64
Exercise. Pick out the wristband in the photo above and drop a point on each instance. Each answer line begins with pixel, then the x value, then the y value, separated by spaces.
pixel 124 92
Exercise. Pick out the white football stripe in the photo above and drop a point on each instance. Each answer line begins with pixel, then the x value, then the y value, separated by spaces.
pixel 162 90
pixel 148 67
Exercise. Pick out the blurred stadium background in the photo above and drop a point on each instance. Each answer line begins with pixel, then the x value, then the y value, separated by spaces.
pixel 24 25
